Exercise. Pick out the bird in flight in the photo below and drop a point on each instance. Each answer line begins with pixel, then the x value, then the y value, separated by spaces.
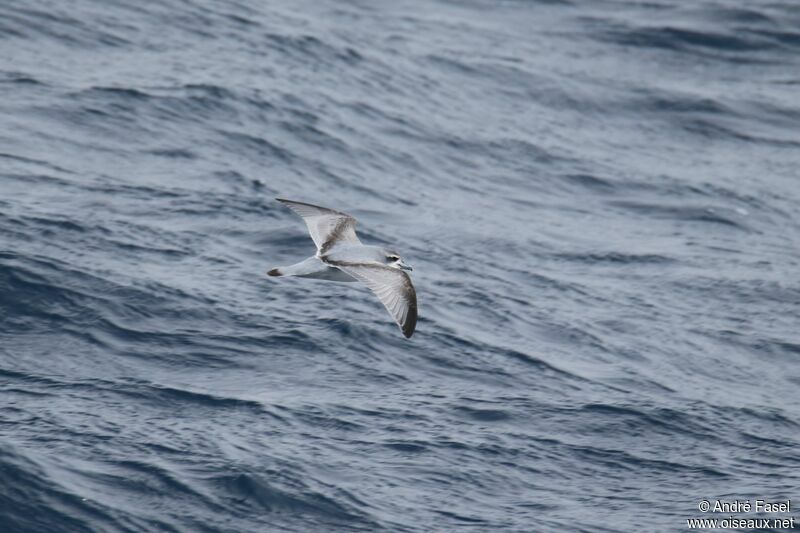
pixel 342 257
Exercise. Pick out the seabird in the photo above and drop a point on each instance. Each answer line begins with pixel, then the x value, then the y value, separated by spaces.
pixel 342 257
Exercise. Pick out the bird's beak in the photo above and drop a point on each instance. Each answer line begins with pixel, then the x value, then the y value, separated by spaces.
pixel 403 266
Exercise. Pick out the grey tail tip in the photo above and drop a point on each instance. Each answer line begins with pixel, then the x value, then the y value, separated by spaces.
pixel 274 272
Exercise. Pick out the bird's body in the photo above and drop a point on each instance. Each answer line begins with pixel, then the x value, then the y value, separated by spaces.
pixel 342 257
pixel 314 268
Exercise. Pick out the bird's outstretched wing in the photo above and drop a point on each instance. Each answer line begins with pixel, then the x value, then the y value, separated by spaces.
pixel 393 288
pixel 326 226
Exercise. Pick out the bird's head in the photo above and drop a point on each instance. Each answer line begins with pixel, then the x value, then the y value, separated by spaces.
pixel 394 260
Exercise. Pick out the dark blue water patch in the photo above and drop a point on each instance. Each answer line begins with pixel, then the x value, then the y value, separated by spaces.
pixel 248 493
pixel 790 40
pixel 463 520
pixel 615 258
pixel 636 420
pixel 29 300
pixel 115 94
pixel 256 147
pixel 744 291
pixel 174 153
pixel 315 136
pixel 685 39
pixel 714 215
pixel 33 501
pixel 180 398
pixel 408 448
pixel 672 103
pixel 713 130
pixel 32 378
pixel 737 14
pixel 591 182
pixel 59 27
pixel 19 78
pixel 485 415
pixel 758 345
pixel 619 459
pixel 102 106
pixel 310 47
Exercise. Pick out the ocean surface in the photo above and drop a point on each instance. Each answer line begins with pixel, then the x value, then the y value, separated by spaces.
pixel 599 200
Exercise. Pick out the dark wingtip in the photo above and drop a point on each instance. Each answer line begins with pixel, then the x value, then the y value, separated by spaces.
pixel 274 272
pixel 411 322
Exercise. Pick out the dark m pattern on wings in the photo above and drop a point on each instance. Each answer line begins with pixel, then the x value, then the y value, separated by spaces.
pixel 342 225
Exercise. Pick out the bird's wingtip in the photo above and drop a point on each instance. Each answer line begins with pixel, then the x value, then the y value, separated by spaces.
pixel 274 272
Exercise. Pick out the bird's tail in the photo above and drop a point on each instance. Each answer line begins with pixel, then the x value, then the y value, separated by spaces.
pixel 312 267
pixel 309 266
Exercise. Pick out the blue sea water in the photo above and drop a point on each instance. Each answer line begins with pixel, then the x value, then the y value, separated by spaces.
pixel 599 199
